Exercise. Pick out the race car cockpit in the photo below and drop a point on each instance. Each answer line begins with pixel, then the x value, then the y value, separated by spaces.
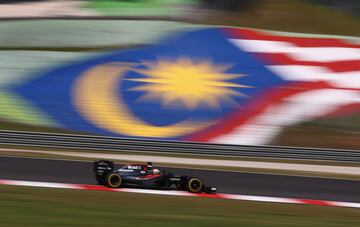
pixel 139 168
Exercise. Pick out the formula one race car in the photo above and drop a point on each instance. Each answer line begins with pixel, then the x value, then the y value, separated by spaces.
pixel 145 176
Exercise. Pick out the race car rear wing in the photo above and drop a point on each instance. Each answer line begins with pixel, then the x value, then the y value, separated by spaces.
pixel 103 167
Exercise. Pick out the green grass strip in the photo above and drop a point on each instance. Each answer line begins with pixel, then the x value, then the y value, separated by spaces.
pixel 137 8
pixel 290 16
pixel 15 108
pixel 24 206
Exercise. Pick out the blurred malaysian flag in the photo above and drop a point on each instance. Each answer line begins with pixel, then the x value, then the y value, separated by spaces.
pixel 323 76
pixel 218 85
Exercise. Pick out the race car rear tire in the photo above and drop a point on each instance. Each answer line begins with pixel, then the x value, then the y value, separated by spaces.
pixel 113 180
pixel 194 185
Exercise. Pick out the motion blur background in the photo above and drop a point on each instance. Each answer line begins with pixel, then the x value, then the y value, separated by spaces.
pixel 40 35
pixel 239 72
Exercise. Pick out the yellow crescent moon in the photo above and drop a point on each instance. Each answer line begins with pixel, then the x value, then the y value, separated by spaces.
pixel 95 97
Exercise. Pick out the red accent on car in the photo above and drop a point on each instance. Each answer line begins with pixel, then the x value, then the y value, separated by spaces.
pixel 150 176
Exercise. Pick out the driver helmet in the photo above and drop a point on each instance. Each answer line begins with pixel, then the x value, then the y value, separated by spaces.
pixel 156 171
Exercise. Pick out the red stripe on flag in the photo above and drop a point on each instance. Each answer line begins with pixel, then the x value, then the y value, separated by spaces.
pixel 238 33
pixel 257 107
pixel 283 59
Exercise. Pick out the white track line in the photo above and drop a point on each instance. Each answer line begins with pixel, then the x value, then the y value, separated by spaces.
pixel 181 193
pixel 347 170
pixel 197 168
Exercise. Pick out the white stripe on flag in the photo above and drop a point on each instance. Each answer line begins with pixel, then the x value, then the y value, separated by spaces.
pixel 316 73
pixel 304 106
pixel 313 54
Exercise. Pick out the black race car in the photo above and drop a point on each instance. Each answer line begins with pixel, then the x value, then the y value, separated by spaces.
pixel 145 176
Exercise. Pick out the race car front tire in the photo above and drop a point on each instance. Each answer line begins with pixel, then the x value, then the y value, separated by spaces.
pixel 113 180
pixel 194 185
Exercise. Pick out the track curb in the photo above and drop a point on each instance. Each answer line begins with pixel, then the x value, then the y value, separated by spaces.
pixel 181 193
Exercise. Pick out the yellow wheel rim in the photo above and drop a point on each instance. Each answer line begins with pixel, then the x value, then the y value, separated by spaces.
pixel 114 184
pixel 192 189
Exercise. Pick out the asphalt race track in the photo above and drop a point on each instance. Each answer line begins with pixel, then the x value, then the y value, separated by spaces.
pixel 60 171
